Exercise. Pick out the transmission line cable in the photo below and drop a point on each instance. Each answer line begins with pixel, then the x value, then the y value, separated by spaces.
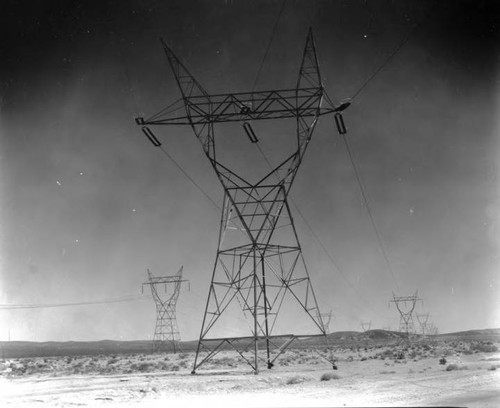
pixel 189 177
pixel 170 107
pixel 52 305
pixel 318 240
pixel 394 53
pixel 368 210
pixel 269 44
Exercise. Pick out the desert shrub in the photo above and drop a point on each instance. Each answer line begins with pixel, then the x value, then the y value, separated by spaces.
pixel 387 372
pixel 296 379
pixel 226 361
pixel 492 368
pixel 363 359
pixel 484 347
pixel 162 365
pixel 175 367
pixel 183 355
pixel 329 376
pixel 112 360
pixel 142 367
pixel 452 367
pixel 442 361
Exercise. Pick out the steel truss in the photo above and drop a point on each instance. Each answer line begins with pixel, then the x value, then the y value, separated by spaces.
pixel 166 329
pixel 365 326
pixel 259 267
pixel 423 321
pixel 406 306
pixel 327 318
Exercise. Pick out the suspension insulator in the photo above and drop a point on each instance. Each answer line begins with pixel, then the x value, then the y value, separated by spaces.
pixel 339 121
pixel 139 120
pixel 343 106
pixel 152 138
pixel 250 133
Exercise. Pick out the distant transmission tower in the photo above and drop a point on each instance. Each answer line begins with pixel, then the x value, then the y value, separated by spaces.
pixel 259 276
pixel 365 326
pixel 432 330
pixel 423 321
pixel 406 306
pixel 166 329
pixel 327 318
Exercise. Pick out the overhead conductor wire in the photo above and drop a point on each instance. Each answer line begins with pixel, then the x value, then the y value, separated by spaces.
pixel 394 53
pixel 315 236
pixel 131 91
pixel 269 45
pixel 351 155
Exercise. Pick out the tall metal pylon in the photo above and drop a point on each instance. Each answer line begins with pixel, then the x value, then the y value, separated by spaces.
pixel 365 326
pixel 259 274
pixel 327 318
pixel 166 329
pixel 406 306
pixel 423 322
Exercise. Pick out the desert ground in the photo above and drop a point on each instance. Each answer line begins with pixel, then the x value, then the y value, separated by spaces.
pixel 441 372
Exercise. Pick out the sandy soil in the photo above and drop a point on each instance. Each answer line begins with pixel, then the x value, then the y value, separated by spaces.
pixel 361 380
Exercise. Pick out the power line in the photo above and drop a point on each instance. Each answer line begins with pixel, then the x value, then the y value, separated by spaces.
pixel 269 44
pixel 169 109
pixel 318 240
pixel 189 177
pixel 393 54
pixel 128 298
pixel 368 210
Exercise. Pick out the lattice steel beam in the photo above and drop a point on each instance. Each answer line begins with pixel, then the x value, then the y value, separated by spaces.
pixel 406 306
pixel 166 329
pixel 259 263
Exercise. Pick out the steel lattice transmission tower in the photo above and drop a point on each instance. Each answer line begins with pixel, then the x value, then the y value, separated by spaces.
pixel 259 274
pixel 166 329
pixel 423 321
pixel 365 326
pixel 327 318
pixel 406 306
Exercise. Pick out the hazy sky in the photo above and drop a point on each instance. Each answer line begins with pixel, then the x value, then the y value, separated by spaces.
pixel 87 203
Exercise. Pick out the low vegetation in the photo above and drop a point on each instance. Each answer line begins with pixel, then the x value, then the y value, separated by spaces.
pixel 446 353
pixel 329 376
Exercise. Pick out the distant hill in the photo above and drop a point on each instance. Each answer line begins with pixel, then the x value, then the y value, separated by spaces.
pixel 10 349
pixel 472 333
pixel 18 349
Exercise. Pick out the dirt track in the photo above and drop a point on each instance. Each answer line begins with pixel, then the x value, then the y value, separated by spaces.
pixel 371 382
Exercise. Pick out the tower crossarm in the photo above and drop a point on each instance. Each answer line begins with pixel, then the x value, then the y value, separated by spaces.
pixel 245 106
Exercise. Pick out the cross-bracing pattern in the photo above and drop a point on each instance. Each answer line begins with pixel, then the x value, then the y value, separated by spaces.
pixel 423 322
pixel 365 326
pixel 327 318
pixel 259 275
pixel 166 329
pixel 406 306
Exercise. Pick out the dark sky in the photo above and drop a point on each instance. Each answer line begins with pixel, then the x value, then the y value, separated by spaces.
pixel 87 203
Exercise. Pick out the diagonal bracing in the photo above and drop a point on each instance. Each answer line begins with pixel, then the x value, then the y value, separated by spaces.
pixel 406 307
pixel 166 329
pixel 259 274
